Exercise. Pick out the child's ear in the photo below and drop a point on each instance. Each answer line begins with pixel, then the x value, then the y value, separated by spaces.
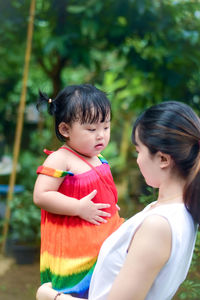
pixel 64 129
pixel 165 160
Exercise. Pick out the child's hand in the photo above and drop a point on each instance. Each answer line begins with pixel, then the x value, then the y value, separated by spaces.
pixel 118 208
pixel 92 212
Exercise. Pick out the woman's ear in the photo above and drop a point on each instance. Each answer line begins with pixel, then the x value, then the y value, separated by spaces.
pixel 64 129
pixel 165 160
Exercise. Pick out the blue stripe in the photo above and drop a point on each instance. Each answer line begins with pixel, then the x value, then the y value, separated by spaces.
pixel 80 288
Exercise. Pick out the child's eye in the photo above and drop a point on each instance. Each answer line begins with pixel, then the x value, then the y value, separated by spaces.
pixel 107 127
pixel 91 129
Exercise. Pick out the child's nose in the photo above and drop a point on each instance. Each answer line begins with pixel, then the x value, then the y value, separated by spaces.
pixel 100 134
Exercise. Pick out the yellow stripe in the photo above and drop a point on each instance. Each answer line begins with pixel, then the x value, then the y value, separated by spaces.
pixel 65 266
pixel 57 173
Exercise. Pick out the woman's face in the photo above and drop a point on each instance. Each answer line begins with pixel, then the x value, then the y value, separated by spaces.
pixel 149 164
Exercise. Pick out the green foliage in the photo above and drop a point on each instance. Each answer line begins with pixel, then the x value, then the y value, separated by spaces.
pixel 28 164
pixel 148 35
pixel 25 220
pixel 38 142
pixel 150 196
pixel 139 52
pixel 190 290
pixel 196 256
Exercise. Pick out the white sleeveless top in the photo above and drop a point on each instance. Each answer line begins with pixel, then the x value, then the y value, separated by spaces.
pixel 114 250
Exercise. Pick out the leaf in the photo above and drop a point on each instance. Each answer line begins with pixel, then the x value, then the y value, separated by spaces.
pixel 76 9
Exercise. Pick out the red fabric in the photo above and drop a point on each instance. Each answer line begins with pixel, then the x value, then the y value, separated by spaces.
pixel 64 237
pixel 78 186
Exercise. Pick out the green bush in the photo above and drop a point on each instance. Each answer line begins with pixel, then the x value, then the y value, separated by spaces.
pixel 25 220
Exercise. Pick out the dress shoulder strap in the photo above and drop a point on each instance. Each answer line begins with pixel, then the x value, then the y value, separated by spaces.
pixel 89 164
pixel 102 159
pixel 52 172
pixel 47 151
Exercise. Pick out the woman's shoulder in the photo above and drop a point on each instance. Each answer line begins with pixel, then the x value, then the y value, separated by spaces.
pixel 156 225
pixel 177 216
pixel 154 233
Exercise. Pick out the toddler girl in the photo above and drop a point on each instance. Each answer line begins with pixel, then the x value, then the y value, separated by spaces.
pixel 75 189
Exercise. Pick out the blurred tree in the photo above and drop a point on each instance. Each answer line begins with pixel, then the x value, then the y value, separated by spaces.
pixel 139 51
pixel 159 39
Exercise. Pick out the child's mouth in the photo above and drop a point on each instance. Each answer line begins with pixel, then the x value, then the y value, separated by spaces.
pixel 99 146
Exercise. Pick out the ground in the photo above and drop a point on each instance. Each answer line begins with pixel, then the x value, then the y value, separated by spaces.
pixel 18 282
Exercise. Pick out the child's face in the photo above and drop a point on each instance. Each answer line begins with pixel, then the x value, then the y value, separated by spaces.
pixel 149 164
pixel 89 139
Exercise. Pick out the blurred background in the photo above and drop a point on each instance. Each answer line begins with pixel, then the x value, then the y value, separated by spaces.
pixel 140 52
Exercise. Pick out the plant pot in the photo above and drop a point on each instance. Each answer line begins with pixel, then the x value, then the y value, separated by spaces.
pixel 25 254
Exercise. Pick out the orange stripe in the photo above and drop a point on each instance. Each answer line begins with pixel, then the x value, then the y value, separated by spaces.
pixel 76 241
pixel 49 171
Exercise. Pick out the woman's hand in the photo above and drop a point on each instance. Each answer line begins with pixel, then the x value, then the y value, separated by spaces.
pixel 92 212
pixel 45 292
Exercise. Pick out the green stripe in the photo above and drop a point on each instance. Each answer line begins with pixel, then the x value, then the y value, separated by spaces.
pixel 60 282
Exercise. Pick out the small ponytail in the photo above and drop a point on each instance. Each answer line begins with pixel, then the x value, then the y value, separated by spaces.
pixel 84 103
pixel 44 99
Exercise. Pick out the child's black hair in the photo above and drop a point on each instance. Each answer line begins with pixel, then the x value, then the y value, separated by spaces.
pixel 84 103
pixel 174 128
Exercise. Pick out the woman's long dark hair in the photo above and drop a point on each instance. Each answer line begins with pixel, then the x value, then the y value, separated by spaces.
pixel 174 128
pixel 84 103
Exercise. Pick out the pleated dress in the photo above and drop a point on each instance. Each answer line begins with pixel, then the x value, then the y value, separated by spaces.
pixel 69 244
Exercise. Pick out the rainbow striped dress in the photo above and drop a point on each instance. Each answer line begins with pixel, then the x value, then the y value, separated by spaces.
pixel 70 245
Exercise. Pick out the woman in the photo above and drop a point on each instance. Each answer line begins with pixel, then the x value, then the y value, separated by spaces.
pixel 149 256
